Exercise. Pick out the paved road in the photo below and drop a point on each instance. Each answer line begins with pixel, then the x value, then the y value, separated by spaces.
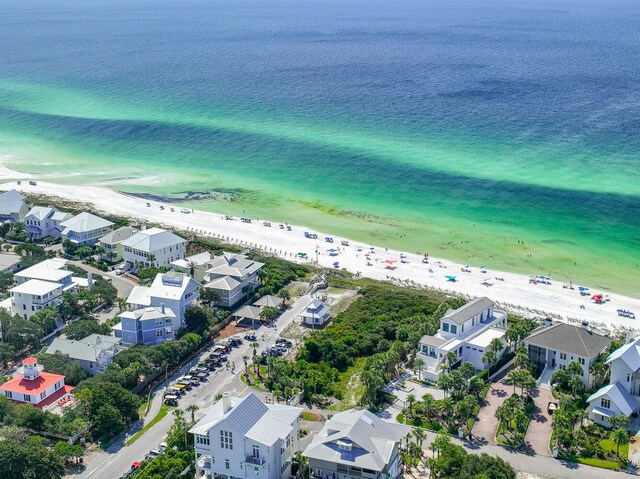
pixel 117 459
pixel 121 283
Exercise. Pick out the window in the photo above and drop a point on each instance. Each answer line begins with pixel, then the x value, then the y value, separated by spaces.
pixel 563 356
pixel 454 329
pixel 255 452
pixel 159 333
pixel 226 463
pixel 226 440
pixel 628 378
pixel 445 327
pixel 581 361
pixel 27 398
pixel 605 403
pixel 204 440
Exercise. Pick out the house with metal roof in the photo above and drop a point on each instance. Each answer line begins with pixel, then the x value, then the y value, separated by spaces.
pixel 154 247
pixel 9 262
pixel 555 345
pixel 466 332
pixel 356 444
pixel 94 352
pixel 243 437
pixel 175 290
pixel 33 295
pixel 315 314
pixel 231 276
pixel 622 395
pixel 45 221
pixel 13 206
pixel 111 243
pixel 150 325
pixel 85 229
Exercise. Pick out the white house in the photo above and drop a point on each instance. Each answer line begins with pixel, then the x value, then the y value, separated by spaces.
pixel 53 270
pixel 175 291
pixel 356 444
pixel 229 274
pixel 33 295
pixel 198 261
pixel 85 229
pixel 44 221
pixel 554 346
pixel 9 262
pixel 622 395
pixel 13 207
pixel 94 353
pixel 111 243
pixel 245 438
pixel 466 332
pixel 315 314
pixel 154 247
pixel 34 386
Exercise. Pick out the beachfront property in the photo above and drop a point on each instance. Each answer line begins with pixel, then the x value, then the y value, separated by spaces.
pixel 622 395
pixel 9 262
pixel 33 295
pixel 466 332
pixel 153 247
pixel 243 437
pixel 34 386
pixel 94 352
pixel 175 290
pixel 198 262
pixel 356 444
pixel 45 221
pixel 85 229
pixel 555 345
pixel 111 243
pixel 315 314
pixel 231 276
pixel 150 325
pixel 13 207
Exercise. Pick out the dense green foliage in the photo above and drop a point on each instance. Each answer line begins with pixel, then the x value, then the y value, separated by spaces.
pixel 148 274
pixel 60 364
pixel 84 327
pixel 29 460
pixel 28 416
pixel 276 273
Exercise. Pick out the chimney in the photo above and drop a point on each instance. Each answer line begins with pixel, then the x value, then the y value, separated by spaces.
pixel 90 278
pixel 585 326
pixel 548 321
pixel 143 227
pixel 162 308
pixel 226 402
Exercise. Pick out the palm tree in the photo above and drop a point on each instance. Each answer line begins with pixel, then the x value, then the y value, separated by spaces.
pixel 285 295
pixel 489 359
pixel 417 365
pixel 428 402
pixel 193 409
pixel 445 383
pixel 254 345
pixel 411 399
pixel 122 303
pixel 192 267
pixel 245 359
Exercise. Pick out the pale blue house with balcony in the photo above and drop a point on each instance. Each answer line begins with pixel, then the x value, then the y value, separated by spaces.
pixel 150 325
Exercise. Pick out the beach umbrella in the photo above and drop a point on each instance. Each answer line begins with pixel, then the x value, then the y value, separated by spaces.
pixel 389 261
pixel 135 464
pixel 582 288
pixel 451 278
pixel 336 264
pixel 596 297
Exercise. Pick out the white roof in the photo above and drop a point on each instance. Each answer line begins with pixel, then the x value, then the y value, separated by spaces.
pixel 629 354
pixel 226 283
pixel 237 265
pixel 48 270
pixel 41 212
pixel 153 239
pixel 618 396
pixel 7 260
pixel 84 222
pixel 483 339
pixel 61 216
pixel 169 285
pixel 251 417
pixel 11 201
pixel 371 440
pixel 148 313
pixel 118 236
pixel 36 287
pixel 85 349
pixel 199 259
pixel 140 295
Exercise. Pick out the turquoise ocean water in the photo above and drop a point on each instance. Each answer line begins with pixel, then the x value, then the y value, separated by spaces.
pixel 483 132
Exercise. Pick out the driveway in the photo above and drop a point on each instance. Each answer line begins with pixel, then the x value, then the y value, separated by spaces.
pixel 539 432
pixel 484 429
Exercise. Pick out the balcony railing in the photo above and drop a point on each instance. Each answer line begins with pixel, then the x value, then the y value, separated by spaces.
pixel 204 462
pixel 256 461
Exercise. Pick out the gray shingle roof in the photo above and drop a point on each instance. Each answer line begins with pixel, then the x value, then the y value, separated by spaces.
pixel 570 339
pixel 433 341
pixel 86 349
pixel 469 310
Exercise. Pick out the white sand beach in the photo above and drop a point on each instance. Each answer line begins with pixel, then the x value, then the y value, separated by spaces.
pixel 511 291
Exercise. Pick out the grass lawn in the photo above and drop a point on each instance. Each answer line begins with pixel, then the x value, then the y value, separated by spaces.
pixel 431 426
pixel 255 382
pixel 309 416
pixel 603 463
pixel 164 410
pixel 610 447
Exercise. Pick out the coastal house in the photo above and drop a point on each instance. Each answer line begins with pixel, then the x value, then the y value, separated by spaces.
pixel 356 444
pixel 53 270
pixel 466 332
pixel 45 221
pixel 198 262
pixel 34 386
pixel 175 290
pixel 231 276
pixel 622 395
pixel 243 437
pixel 94 352
pixel 315 314
pixel 13 207
pixel 153 247
pixel 111 243
pixel 33 295
pixel 150 325
pixel 555 345
pixel 85 229
pixel 9 262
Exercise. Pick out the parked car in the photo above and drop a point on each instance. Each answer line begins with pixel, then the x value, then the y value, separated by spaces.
pixel 250 337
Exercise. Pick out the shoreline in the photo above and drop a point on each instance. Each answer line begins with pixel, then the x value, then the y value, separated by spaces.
pixel 514 292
